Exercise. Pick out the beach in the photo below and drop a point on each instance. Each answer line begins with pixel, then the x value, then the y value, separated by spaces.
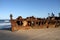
pixel 31 34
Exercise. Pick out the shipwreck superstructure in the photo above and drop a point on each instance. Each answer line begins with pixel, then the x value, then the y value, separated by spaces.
pixel 33 22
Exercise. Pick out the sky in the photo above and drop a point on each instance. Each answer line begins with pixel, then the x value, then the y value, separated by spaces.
pixel 26 8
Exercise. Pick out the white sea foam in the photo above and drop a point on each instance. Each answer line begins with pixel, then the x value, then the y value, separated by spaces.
pixel 5 25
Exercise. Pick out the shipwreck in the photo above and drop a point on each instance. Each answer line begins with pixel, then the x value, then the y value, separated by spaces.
pixel 33 22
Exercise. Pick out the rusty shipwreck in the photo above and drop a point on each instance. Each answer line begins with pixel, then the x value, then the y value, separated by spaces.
pixel 33 22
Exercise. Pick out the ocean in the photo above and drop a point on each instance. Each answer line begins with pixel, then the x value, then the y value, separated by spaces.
pixel 4 24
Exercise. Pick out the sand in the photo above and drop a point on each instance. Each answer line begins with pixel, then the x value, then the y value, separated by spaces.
pixel 31 34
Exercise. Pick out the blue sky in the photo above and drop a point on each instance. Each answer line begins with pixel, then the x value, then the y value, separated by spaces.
pixel 25 8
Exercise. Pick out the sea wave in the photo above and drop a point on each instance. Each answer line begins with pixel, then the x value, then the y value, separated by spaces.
pixel 5 25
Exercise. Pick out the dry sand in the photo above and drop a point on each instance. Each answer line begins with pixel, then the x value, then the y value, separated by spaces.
pixel 31 34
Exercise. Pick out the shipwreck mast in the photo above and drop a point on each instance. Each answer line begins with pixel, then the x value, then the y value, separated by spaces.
pixel 11 20
pixel 11 16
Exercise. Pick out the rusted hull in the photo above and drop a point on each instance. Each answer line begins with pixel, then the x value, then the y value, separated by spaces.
pixel 32 23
